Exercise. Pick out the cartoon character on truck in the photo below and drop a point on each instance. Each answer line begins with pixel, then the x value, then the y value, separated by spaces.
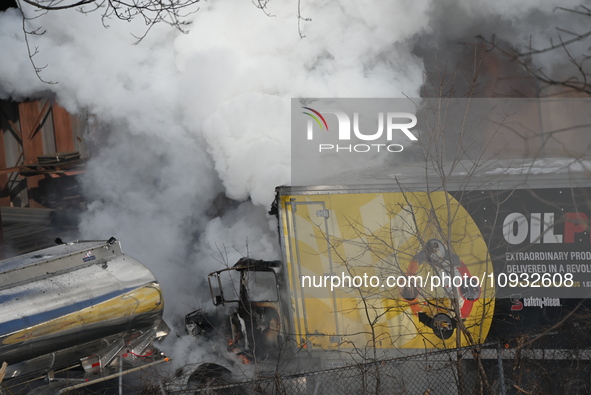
pixel 435 305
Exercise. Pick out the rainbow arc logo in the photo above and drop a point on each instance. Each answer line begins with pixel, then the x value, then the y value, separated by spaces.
pixel 315 117
pixel 348 130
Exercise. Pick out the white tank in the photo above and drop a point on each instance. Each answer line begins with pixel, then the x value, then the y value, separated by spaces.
pixel 72 302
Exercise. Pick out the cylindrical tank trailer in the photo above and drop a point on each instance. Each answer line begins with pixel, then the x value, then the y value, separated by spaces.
pixel 77 304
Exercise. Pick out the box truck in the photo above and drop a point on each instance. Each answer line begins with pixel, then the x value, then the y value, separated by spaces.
pixel 405 264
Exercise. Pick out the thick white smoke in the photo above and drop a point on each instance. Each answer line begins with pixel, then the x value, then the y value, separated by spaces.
pixel 187 117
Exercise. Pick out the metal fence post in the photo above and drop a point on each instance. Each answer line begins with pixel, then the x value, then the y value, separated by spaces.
pixel 121 375
pixel 501 370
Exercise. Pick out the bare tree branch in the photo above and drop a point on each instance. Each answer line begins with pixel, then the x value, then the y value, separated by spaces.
pixel 52 7
pixel 579 81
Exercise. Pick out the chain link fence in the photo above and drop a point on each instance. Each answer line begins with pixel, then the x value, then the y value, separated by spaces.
pixel 485 369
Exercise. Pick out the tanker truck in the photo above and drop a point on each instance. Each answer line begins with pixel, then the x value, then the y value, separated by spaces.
pixel 84 311
pixel 395 267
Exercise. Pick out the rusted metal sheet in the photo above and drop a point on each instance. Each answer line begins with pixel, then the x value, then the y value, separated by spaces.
pixel 1 236
pixel 62 126
pixel 41 134
pixel 32 142
pixel 4 190
pixel 4 198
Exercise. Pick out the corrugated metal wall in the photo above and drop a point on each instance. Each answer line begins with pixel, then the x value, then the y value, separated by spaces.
pixel 29 130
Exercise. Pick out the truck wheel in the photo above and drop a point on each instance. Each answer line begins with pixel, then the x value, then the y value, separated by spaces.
pixel 211 375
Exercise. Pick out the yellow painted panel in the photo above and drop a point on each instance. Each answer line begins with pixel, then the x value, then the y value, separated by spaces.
pixel 142 300
pixel 382 235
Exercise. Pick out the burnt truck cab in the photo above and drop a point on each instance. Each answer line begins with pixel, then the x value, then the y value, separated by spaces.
pixel 256 310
